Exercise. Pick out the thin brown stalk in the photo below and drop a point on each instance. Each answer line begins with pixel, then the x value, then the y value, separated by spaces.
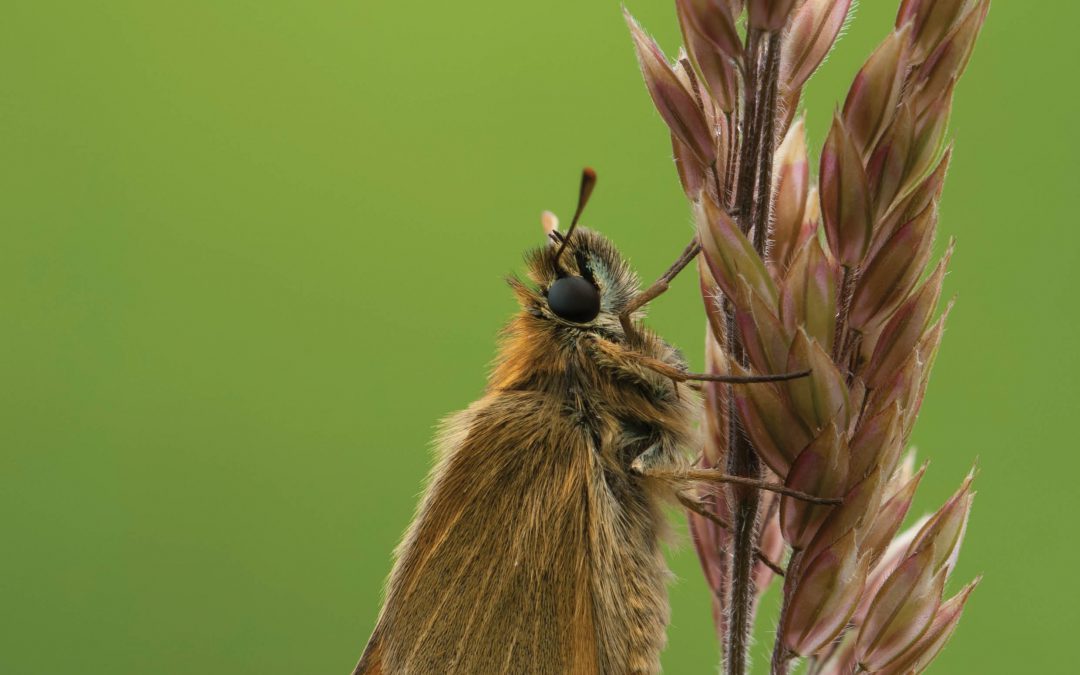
pixel 750 129
pixel 763 194
pixel 757 151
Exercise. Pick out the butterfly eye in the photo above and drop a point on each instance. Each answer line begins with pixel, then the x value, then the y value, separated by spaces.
pixel 574 299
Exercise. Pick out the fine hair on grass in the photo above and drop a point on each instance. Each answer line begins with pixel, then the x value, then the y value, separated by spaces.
pixel 828 271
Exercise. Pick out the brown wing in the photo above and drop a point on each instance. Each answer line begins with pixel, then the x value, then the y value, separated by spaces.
pixel 493 574
pixel 371 661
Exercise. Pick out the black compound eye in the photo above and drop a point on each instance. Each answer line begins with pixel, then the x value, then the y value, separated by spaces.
pixel 574 299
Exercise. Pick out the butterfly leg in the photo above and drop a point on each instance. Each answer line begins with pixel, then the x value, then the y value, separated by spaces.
pixel 616 354
pixel 697 507
pixel 653 462
pixel 658 287
pixel 697 475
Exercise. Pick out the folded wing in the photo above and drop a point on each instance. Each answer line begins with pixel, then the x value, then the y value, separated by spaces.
pixel 493 574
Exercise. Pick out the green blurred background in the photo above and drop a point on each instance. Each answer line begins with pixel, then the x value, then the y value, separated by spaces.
pixel 252 251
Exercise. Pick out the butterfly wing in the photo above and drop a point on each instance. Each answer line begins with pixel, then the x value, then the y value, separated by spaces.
pixel 493 576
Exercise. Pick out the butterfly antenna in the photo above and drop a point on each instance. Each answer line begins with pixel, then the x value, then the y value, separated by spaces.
pixel 588 182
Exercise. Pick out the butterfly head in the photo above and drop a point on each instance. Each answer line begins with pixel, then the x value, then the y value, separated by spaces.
pixel 581 279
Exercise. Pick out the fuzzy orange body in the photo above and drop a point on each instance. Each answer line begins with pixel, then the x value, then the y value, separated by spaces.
pixel 536 548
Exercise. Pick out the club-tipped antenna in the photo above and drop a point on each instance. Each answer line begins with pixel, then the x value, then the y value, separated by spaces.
pixel 588 182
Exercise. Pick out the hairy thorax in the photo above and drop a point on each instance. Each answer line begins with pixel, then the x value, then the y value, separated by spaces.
pixel 634 418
